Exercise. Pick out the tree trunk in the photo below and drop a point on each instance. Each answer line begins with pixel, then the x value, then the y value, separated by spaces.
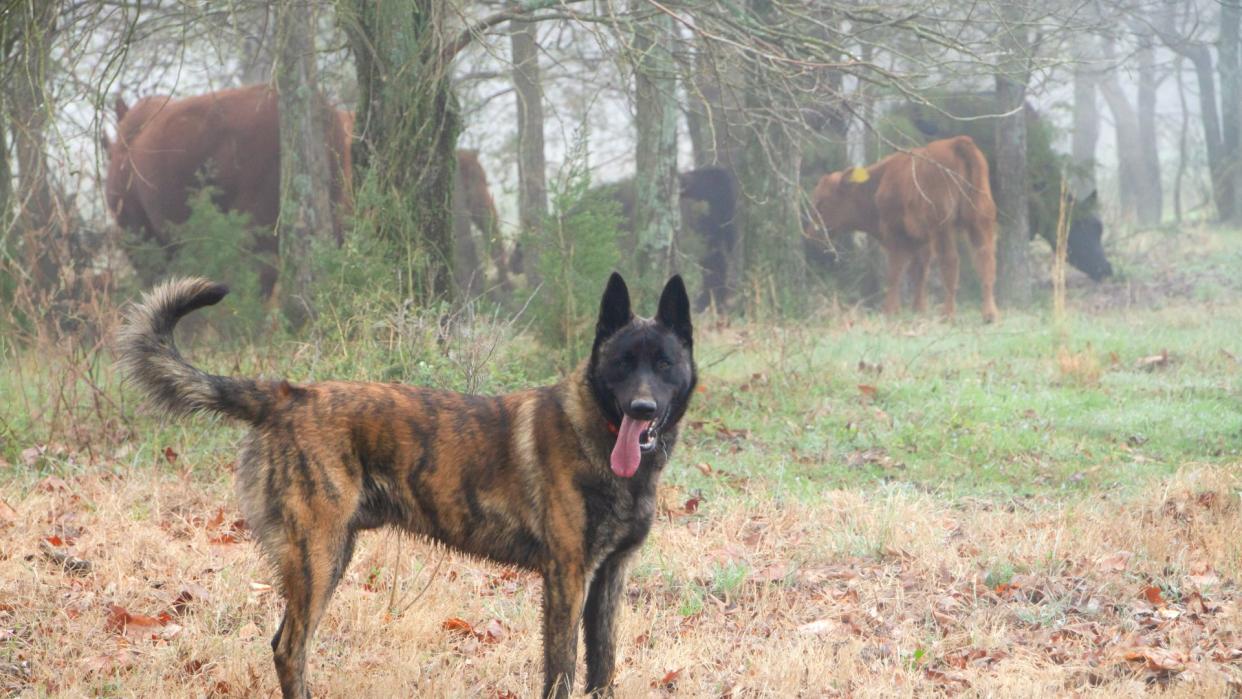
pixel 1222 191
pixel 532 168
pixel 31 24
pixel 1151 201
pixel 1086 128
pixel 770 252
pixel 697 127
pixel 407 126
pixel 871 139
pixel 872 257
pixel 716 105
pixel 1130 182
pixel 1181 139
pixel 656 210
pixel 6 177
pixel 1230 69
pixel 1013 277
pixel 305 176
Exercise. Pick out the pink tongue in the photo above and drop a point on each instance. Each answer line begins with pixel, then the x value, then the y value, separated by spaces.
pixel 626 454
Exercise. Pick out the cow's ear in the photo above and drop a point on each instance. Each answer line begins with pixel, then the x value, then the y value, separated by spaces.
pixel 858 175
pixel 121 108
pixel 1091 199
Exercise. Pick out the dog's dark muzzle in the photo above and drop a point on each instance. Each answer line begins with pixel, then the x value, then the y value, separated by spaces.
pixel 646 410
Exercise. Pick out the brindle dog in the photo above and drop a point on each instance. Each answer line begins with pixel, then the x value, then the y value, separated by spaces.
pixel 559 479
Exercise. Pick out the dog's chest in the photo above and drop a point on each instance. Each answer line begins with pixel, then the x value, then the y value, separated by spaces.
pixel 618 515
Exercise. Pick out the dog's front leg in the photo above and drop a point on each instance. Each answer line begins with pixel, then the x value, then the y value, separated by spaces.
pixel 563 589
pixel 599 622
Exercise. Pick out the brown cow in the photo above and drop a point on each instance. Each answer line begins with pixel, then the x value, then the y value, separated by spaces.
pixel 915 202
pixel 473 206
pixel 165 149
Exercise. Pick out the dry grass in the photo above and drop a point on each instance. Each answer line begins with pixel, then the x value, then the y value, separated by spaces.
pixel 887 592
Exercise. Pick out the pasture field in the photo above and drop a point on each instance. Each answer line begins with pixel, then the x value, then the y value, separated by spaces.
pixel 859 507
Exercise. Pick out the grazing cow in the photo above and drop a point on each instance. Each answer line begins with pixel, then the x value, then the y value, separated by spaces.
pixel 473 207
pixel 973 114
pixel 915 202
pixel 166 149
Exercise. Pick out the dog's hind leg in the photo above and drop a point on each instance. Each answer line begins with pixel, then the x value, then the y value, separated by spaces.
pixel 310 562
pixel 600 622
pixel 563 590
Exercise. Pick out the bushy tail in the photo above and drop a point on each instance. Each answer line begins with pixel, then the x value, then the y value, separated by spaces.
pixel 149 358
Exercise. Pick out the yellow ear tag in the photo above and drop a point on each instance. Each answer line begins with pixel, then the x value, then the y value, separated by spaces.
pixel 858 175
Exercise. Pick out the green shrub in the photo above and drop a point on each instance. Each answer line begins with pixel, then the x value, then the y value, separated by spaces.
pixel 577 251
pixel 215 244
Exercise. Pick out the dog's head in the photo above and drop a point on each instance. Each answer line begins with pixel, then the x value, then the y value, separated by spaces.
pixel 642 369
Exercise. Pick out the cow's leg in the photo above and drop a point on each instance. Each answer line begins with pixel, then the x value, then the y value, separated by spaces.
pixel 918 276
pixel 946 250
pixel 983 254
pixel 898 257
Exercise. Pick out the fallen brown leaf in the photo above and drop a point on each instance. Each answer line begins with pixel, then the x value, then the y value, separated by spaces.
pixel 692 505
pixel 1154 361
pixel 190 593
pixel 51 548
pixel 1115 562
pixel 108 663
pixel 1152 594
pixel 1158 658
pixel 458 625
pixel 818 627
pixel 668 681
pixel 494 632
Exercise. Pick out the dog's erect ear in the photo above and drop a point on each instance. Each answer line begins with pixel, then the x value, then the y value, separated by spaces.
pixel 614 309
pixel 674 312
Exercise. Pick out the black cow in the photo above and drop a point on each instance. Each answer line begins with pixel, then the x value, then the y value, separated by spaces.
pixel 715 191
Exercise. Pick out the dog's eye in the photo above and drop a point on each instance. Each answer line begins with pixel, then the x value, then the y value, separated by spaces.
pixel 663 364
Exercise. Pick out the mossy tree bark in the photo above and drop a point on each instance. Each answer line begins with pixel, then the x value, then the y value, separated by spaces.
pixel 305 189
pixel 656 211
pixel 770 249
pixel 28 28
pixel 1013 277
pixel 1229 67
pixel 532 166
pixel 407 125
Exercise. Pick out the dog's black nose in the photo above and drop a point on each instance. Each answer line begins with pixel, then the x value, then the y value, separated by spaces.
pixel 642 409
